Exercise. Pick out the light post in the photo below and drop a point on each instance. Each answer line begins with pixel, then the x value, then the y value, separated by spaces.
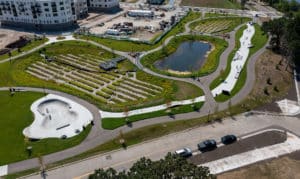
pixel 29 150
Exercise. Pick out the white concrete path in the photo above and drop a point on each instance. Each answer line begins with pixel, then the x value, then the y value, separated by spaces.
pixel 3 170
pixel 238 62
pixel 53 39
pixel 105 114
pixel 292 144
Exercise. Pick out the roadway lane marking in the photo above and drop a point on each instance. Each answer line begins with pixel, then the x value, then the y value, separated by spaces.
pixel 296 85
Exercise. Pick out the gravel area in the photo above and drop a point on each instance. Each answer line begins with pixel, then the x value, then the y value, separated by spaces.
pixel 244 145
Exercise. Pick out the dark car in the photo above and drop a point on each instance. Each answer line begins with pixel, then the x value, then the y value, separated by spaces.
pixel 207 145
pixel 228 139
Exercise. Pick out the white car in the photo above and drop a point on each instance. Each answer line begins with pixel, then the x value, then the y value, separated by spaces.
pixel 185 152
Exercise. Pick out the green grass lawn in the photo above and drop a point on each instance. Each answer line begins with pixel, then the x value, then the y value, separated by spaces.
pixel 13 74
pixel 129 46
pixel 29 46
pixel 113 123
pixel 228 4
pixel 209 66
pixel 259 40
pixel 15 116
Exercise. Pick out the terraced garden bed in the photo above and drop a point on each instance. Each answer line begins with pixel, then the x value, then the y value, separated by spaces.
pixel 218 25
pixel 75 70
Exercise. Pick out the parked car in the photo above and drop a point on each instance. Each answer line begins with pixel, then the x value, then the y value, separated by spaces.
pixel 185 152
pixel 207 145
pixel 228 139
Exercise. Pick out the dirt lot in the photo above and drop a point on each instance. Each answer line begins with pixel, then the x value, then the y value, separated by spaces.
pixel 7 36
pixel 273 80
pixel 137 22
pixel 244 145
pixel 286 167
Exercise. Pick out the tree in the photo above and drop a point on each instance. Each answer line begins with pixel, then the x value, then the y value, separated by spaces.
pixel 276 29
pixel 243 3
pixel 285 39
pixel 172 166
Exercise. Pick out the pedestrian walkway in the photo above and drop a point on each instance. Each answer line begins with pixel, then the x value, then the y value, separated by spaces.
pixel 238 62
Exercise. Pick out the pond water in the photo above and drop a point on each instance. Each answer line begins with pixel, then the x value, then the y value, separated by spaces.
pixel 189 56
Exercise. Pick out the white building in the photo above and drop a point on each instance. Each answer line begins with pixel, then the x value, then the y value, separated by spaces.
pixel 45 14
pixel 102 4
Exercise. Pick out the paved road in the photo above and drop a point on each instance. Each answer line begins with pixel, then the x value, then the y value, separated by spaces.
pixel 155 149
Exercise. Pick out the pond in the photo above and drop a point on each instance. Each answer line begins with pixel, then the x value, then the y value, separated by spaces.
pixel 189 56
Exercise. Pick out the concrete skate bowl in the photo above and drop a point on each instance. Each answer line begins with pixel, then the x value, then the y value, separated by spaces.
pixel 57 114
pixel 57 117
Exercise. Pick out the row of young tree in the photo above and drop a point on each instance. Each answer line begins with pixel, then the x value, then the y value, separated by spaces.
pixel 172 166
pixel 286 6
pixel 285 37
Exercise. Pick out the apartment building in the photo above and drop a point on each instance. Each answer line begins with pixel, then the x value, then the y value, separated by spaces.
pixel 46 14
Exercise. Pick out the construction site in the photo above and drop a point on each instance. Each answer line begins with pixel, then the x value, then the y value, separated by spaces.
pixel 141 22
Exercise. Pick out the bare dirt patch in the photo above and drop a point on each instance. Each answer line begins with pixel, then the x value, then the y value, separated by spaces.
pixel 273 80
pixel 284 167
pixel 8 36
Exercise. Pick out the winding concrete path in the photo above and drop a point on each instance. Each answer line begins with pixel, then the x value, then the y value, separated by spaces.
pixel 98 135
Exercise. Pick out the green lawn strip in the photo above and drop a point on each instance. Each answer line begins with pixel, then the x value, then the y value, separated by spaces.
pixel 29 46
pixel 113 123
pixel 224 73
pixel 131 46
pixel 14 74
pixel 259 40
pixel 209 66
pixel 16 116
pixel 234 22
pixel 227 4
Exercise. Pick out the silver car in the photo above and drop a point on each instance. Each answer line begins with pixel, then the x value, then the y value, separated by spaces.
pixel 185 152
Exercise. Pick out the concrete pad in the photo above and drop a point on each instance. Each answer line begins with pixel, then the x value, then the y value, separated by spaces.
pixel 3 170
pixel 56 116
pixel 289 107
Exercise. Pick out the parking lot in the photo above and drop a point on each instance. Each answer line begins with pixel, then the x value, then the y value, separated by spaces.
pixel 243 145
